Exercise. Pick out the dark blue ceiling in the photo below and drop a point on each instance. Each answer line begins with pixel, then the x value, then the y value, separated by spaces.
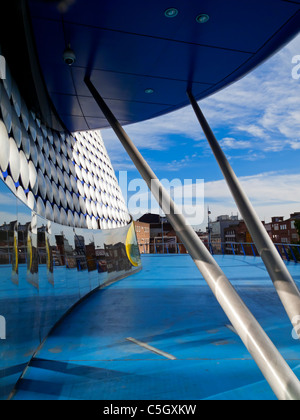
pixel 130 46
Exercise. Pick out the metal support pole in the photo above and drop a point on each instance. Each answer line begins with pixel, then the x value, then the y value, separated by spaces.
pixel 276 371
pixel 283 281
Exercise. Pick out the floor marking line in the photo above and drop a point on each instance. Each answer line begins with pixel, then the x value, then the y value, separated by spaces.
pixel 150 348
pixel 231 328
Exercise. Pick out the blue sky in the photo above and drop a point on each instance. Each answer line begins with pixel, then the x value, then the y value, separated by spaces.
pixel 256 120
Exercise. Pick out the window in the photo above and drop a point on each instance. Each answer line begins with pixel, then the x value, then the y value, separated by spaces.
pixel 276 227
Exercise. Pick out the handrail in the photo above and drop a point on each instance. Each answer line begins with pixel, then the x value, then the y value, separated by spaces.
pixel 288 252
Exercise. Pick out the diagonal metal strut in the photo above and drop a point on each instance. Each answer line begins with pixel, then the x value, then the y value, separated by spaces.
pixel 275 369
pixel 284 284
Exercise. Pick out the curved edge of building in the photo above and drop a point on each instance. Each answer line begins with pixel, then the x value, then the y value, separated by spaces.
pixel 65 229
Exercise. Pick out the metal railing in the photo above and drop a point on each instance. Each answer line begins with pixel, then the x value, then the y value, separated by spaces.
pixel 288 252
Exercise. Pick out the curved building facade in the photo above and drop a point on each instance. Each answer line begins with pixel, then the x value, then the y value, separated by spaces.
pixel 65 230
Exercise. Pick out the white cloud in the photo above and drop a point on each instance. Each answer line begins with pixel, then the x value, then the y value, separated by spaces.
pixel 259 111
pixel 231 143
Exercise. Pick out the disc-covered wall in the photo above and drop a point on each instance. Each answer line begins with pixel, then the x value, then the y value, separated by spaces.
pixel 65 178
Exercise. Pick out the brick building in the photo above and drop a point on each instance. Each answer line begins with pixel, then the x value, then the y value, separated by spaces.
pixel 238 239
pixel 143 236
pixel 284 231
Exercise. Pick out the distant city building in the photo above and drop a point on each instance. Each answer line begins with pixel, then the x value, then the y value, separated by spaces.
pixel 284 231
pixel 218 227
pixel 143 236
pixel 238 239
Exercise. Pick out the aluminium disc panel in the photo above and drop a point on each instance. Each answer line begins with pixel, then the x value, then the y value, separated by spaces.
pixel 93 193
pixel 24 114
pixel 46 148
pixel 104 224
pixel 61 179
pixel 63 147
pixel 76 203
pixel 48 171
pixel 33 152
pixel 85 176
pixel 87 191
pixel 94 209
pixel 89 222
pixel 10 183
pixel 14 160
pixel 78 172
pixel 33 128
pixel 82 205
pixel 97 183
pixel 63 198
pixel 56 214
pixel 40 140
pixel 99 210
pixel 6 109
pixel 94 224
pixel 67 181
pixel 16 98
pixel 24 170
pixel 54 173
pixel 56 196
pixel 65 163
pixel 16 128
pixel 25 142
pixel 91 178
pixel 83 222
pixel 80 188
pixel 40 207
pixel 70 200
pixel 77 220
pixel 41 160
pixel 31 202
pixel 52 154
pixel 33 181
pixel 69 152
pixel 56 142
pixel 88 207
pixel 50 136
pixel 49 189
pixel 98 196
pixel 21 195
pixel 63 217
pixel 44 131
pixel 71 219
pixel 7 81
pixel 59 160
pixel 72 168
pixel 73 184
pixel 42 185
pixel 105 212
pixel 49 212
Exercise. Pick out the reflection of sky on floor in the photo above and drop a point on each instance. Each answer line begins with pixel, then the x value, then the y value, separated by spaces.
pixel 168 306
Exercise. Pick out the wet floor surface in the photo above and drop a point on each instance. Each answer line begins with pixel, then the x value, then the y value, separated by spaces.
pixel 161 335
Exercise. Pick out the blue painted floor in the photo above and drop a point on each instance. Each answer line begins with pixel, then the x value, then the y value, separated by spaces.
pixel 168 306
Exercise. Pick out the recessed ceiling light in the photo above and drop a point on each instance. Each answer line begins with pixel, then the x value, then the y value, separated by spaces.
pixel 171 12
pixel 149 91
pixel 203 18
